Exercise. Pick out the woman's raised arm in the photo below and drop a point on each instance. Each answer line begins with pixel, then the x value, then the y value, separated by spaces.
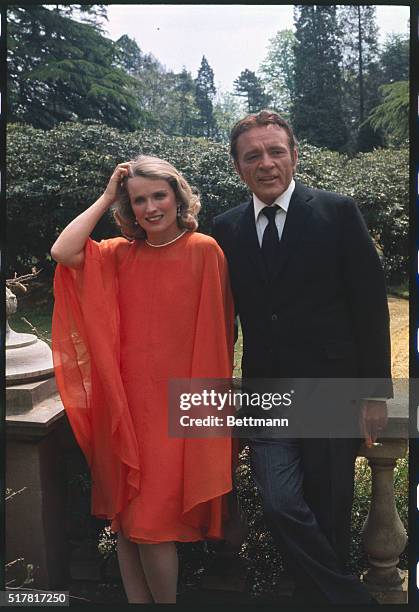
pixel 68 249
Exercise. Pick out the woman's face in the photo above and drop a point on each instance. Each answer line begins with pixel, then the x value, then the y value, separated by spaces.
pixel 155 208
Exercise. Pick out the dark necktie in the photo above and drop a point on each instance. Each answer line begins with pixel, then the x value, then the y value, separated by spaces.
pixel 270 240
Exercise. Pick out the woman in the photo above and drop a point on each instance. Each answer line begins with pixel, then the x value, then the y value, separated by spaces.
pixel 130 314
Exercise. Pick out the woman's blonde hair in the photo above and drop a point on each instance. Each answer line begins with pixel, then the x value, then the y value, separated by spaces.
pixel 156 169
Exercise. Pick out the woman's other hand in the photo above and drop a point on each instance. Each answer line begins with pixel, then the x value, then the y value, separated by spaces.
pixel 68 249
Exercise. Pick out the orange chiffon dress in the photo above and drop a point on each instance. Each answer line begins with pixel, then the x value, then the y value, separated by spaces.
pixel 126 323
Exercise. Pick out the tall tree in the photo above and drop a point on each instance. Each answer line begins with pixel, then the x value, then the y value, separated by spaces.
pixel 61 70
pixel 362 74
pixel 128 55
pixel 394 58
pixel 250 87
pixel 277 71
pixel 185 89
pixel 317 113
pixel 204 95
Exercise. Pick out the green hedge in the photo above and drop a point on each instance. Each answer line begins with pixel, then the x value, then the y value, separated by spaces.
pixel 53 175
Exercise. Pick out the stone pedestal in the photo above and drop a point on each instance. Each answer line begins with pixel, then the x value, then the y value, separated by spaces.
pixel 35 528
pixel 35 468
pixel 22 398
pixel 27 357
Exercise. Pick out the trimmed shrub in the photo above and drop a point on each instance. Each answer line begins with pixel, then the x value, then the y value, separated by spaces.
pixel 54 175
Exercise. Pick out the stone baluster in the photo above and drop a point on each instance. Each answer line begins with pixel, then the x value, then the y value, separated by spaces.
pixel 384 537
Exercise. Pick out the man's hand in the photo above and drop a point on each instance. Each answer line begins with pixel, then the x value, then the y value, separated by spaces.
pixel 373 419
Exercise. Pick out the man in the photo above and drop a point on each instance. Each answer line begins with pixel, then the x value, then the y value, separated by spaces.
pixel 309 289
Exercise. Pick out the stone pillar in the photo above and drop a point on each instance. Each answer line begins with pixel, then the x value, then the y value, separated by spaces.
pixel 35 519
pixel 384 537
pixel 35 424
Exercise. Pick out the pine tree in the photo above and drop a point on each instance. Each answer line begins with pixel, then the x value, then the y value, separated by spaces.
pixel 361 71
pixel 185 89
pixel 204 95
pixel 317 112
pixel 128 55
pixel 250 87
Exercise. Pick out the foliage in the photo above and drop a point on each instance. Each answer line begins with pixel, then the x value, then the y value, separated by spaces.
pixel 93 14
pixel 129 57
pixel 317 114
pixel 392 115
pixel 167 99
pixel 394 58
pixel 204 95
pixel 54 175
pixel 379 181
pixel 278 71
pixel 362 497
pixel 63 70
pixel 250 87
pixel 18 573
pixel 228 109
pixel 187 112
pixel 361 73
pixel 325 77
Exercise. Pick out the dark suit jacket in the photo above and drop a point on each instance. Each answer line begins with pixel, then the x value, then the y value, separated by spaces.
pixel 326 313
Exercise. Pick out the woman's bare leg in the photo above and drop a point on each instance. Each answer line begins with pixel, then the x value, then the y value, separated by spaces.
pixel 160 565
pixel 133 578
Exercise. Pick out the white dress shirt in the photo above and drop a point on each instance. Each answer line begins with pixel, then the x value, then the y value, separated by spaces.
pixel 282 201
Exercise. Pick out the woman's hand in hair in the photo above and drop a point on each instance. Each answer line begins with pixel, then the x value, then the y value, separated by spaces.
pixel 115 182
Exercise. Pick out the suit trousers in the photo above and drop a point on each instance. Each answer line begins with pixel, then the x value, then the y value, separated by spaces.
pixel 306 487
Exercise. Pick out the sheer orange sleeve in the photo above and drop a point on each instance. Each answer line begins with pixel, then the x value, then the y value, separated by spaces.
pixel 85 345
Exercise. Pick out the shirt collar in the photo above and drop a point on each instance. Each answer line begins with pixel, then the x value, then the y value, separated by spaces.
pixel 282 200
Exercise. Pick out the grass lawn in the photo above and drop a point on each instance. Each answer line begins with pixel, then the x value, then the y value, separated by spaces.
pixel 36 307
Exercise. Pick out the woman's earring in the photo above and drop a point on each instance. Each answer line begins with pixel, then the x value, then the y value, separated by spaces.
pixel 135 222
pixel 178 211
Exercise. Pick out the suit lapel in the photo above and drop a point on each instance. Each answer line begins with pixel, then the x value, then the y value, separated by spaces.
pixel 250 250
pixel 299 212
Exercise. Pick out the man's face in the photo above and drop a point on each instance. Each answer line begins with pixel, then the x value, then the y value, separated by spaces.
pixel 264 161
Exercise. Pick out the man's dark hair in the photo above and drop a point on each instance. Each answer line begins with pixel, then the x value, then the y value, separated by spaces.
pixel 263 117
